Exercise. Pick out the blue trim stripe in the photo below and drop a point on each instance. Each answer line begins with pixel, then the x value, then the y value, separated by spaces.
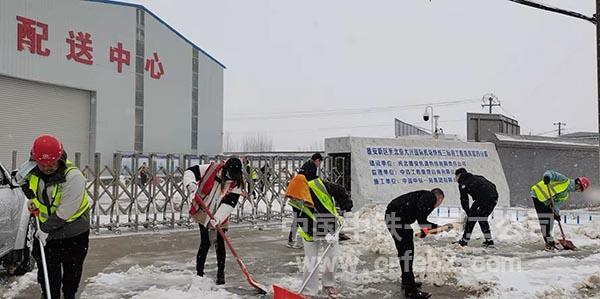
pixel 163 22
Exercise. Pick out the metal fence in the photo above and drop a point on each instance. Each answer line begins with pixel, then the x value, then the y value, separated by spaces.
pixel 145 192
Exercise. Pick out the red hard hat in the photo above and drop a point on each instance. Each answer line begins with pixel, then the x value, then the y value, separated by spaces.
pixel 46 150
pixel 584 182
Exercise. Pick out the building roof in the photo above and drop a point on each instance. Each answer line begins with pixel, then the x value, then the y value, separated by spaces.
pixel 580 135
pixel 540 140
pixel 491 116
pixel 163 22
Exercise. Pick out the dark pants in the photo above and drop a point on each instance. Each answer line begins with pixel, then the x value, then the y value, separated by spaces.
pixel 294 226
pixel 402 234
pixel 479 213
pixel 64 259
pixel 203 251
pixel 546 219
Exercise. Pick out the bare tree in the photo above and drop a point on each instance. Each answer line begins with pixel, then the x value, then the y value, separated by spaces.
pixel 257 143
pixel 229 145
pixel 316 146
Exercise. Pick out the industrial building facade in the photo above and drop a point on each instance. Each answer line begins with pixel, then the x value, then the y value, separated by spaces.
pixel 104 77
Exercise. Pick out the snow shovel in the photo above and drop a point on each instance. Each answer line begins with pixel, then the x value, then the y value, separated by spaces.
pixel 44 265
pixel 261 288
pixel 440 229
pixel 280 292
pixel 566 244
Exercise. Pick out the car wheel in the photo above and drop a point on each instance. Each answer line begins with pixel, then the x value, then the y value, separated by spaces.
pixel 27 262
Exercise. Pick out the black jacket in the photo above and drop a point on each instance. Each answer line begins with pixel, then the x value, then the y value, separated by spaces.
pixel 413 206
pixel 478 187
pixel 325 221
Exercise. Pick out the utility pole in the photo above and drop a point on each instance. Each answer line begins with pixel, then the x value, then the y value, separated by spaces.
pixel 560 125
pixel 598 62
pixel 492 99
pixel 593 20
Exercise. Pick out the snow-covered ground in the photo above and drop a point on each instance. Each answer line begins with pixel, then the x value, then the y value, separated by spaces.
pixel 166 281
pixel 518 267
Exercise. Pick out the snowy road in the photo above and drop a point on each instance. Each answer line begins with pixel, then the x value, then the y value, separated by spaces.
pixel 162 265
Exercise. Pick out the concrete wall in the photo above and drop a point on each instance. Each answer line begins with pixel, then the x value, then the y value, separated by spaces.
pixel 483 126
pixel 372 182
pixel 524 164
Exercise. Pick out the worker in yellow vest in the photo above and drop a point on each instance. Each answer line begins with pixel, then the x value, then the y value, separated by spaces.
pixel 56 189
pixel 557 187
pixel 318 222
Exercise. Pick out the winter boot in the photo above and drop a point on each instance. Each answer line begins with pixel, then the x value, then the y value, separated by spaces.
pixel 416 294
pixel 488 244
pixel 220 277
pixel 551 246
pixel 200 270
pixel 462 242
pixel 343 237
pixel 290 244
pixel 330 292
pixel 418 285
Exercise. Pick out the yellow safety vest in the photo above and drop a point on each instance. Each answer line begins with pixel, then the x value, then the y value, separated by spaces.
pixel 558 190
pixel 318 188
pixel 56 197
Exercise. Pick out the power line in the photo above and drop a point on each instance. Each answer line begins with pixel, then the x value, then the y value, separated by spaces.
pixel 544 133
pixel 330 112
pixel 313 129
pixel 556 10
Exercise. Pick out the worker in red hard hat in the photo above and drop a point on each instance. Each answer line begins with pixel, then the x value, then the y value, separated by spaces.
pixel 549 194
pixel 58 198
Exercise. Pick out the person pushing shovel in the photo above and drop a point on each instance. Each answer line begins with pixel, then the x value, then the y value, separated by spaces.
pixel 400 213
pixel 548 195
pixel 319 224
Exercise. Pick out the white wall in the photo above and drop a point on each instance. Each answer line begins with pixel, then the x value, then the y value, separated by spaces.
pixel 365 190
pixel 210 102
pixel 167 119
pixel 168 100
pixel 114 127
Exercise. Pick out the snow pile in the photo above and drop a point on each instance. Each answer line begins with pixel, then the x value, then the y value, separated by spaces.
pixel 591 283
pixel 590 231
pixel 372 237
pixel 19 285
pixel 519 267
pixel 169 281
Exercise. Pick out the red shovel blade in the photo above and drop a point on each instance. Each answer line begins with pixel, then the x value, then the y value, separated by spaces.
pixel 567 244
pixel 280 292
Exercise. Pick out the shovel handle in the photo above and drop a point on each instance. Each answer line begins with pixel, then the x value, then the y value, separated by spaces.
pixel 562 233
pixel 44 264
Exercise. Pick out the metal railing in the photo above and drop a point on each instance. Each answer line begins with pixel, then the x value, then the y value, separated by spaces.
pixel 146 192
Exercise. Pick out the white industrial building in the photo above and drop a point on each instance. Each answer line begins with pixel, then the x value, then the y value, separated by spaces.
pixel 104 77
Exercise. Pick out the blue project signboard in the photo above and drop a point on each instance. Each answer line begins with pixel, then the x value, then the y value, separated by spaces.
pixel 412 165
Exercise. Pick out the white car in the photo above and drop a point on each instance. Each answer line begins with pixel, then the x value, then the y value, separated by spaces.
pixel 16 228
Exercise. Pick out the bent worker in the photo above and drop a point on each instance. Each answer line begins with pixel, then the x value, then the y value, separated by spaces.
pixel 400 213
pixel 549 195
pixel 485 198
pixel 58 196
pixel 219 185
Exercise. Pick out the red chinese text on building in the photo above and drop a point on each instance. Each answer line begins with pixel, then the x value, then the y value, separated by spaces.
pixel 29 36
pixel 150 67
pixel 80 47
pixel 119 55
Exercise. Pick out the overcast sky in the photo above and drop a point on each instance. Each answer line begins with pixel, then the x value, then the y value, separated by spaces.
pixel 354 65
